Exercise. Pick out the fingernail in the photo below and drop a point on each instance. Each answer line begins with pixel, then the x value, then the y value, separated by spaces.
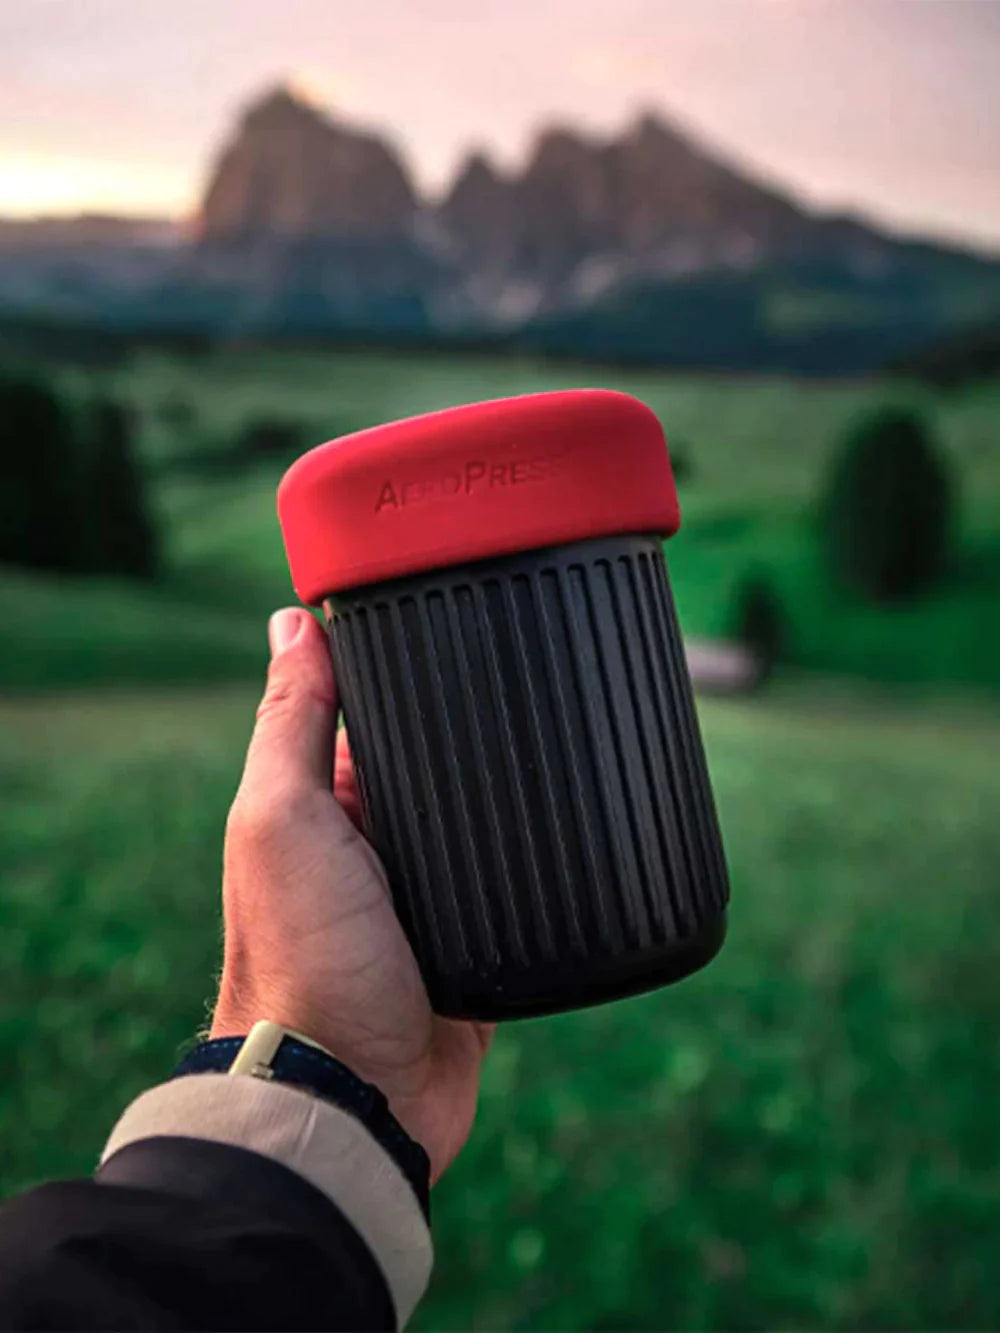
pixel 283 628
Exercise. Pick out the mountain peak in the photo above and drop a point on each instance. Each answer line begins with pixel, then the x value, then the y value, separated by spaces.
pixel 282 103
pixel 279 94
pixel 653 127
pixel 650 120
pixel 477 212
pixel 292 171
pixel 558 144
pixel 478 170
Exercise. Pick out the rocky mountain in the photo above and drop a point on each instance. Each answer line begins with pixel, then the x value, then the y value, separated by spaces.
pixel 640 245
pixel 320 223
pixel 290 172
pixel 584 213
pixel 309 223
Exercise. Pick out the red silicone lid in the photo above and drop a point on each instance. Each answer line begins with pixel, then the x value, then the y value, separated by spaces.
pixel 471 482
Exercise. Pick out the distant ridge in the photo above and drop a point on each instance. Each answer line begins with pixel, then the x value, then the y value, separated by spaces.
pixel 87 231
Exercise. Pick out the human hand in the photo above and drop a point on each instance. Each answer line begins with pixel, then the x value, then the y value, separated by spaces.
pixel 311 937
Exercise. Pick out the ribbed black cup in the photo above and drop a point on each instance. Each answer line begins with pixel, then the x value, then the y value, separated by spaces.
pixel 532 775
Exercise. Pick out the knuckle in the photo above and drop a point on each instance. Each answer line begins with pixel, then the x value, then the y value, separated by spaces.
pixel 240 823
pixel 255 823
pixel 280 696
pixel 268 819
pixel 310 808
pixel 289 692
pixel 302 807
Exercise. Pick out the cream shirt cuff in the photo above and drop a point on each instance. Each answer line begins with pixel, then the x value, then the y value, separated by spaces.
pixel 327 1146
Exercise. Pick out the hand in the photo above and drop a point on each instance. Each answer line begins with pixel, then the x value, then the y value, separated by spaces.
pixel 311 937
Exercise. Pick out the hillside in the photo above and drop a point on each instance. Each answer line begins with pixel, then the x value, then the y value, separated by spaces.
pixel 756 453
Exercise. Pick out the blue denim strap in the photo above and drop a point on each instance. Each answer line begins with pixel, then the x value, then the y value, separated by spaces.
pixel 319 1073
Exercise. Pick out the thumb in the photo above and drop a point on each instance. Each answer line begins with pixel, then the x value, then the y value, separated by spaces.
pixel 293 740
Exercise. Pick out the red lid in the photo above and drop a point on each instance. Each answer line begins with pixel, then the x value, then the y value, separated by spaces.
pixel 471 482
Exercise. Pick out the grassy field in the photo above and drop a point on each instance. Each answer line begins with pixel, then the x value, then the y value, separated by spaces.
pixel 758 451
pixel 805 1134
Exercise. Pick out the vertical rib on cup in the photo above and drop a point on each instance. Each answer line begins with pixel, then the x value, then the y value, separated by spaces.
pixel 515 691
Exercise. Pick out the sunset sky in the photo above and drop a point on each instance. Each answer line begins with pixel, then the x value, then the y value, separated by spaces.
pixel 889 106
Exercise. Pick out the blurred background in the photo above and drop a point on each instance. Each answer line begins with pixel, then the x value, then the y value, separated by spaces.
pixel 229 232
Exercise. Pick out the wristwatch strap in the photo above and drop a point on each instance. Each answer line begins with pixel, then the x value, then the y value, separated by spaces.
pixel 272 1052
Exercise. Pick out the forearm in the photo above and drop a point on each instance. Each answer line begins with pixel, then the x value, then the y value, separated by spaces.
pixel 222 1202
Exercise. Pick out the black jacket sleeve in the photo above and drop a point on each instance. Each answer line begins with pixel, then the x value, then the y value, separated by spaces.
pixel 232 1240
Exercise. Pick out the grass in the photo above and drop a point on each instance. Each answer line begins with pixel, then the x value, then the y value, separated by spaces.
pixel 750 438
pixel 759 451
pixel 949 635
pixel 73 633
pixel 802 1135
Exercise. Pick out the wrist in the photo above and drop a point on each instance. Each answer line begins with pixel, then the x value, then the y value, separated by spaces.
pixel 272 1053
pixel 239 1007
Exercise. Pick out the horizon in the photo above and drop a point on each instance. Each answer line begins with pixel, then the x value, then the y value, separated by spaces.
pixel 896 122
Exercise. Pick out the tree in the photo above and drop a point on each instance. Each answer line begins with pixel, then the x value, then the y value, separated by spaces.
pixel 680 460
pixel 886 514
pixel 41 509
pixel 124 539
pixel 270 437
pixel 760 624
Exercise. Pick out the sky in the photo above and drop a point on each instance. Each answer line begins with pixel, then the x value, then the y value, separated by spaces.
pixel 888 107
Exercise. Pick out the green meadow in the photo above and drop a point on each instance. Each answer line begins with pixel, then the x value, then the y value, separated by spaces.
pixel 802 1135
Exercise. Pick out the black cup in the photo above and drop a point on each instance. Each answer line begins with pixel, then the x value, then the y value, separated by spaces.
pixel 531 769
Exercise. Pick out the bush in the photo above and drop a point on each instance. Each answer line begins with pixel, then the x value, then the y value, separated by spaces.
pixel 177 413
pixel 41 504
pixel 680 460
pixel 760 623
pixel 271 437
pixel 887 509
